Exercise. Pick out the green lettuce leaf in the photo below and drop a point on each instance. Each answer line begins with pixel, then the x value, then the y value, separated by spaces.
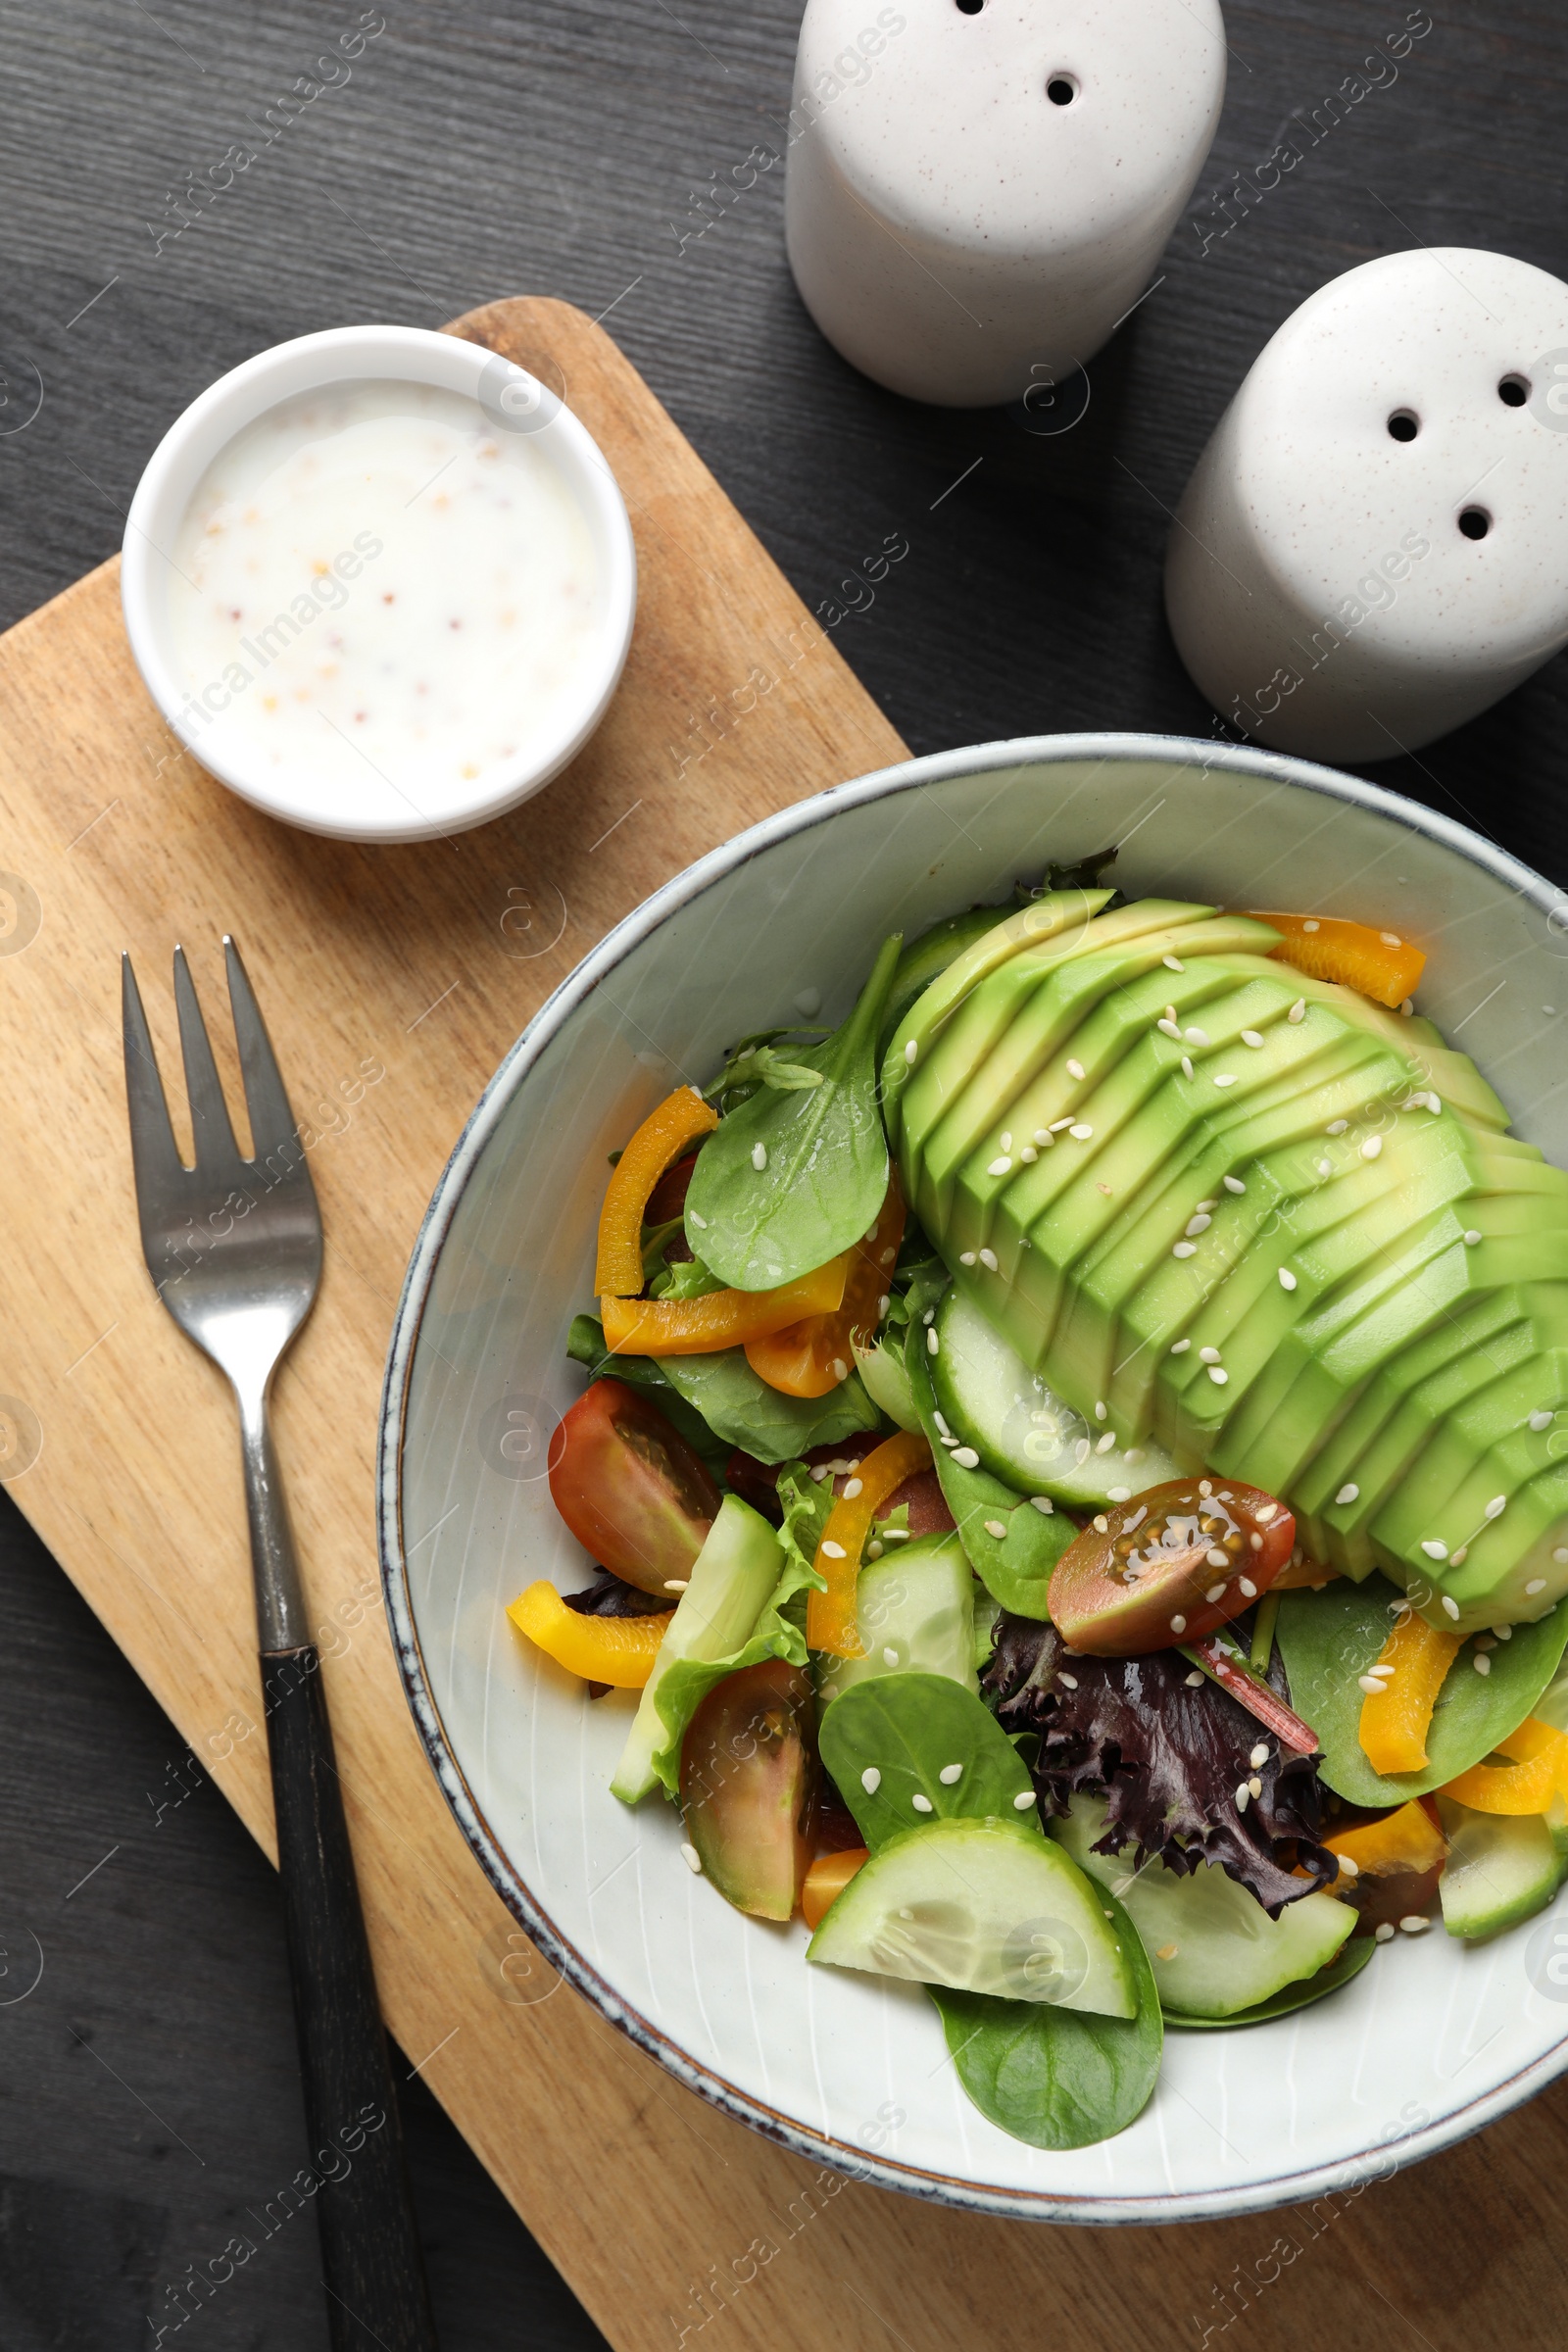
pixel 739 1407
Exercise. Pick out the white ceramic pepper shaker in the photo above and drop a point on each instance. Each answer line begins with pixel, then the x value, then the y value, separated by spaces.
pixel 1374 546
pixel 977 191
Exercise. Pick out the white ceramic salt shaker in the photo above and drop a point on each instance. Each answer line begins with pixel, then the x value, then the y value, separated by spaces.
pixel 1374 546
pixel 977 191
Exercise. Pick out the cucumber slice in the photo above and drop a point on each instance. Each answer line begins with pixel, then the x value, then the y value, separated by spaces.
pixel 985 1906
pixel 1501 1868
pixel 1348 1962
pixel 915 1610
pixel 1213 1948
pixel 1021 1430
pixel 731 1580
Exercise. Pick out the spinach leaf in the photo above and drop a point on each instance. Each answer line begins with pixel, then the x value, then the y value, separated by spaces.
pixel 1015 1566
pixel 1058 2077
pixel 585 1345
pixel 779 1632
pixel 1328 1640
pixel 739 1407
pixel 905 1730
pixel 1348 1962
pixel 791 1179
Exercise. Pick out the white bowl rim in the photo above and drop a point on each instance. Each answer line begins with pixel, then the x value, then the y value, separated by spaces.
pixel 342 354
pixel 1254 2196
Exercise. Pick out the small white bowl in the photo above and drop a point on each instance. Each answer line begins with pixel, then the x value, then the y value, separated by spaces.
pixel 516 402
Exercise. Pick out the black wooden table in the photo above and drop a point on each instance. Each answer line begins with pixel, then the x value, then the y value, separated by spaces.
pixel 468 152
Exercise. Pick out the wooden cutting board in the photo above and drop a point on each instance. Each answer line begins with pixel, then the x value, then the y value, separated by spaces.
pixel 118 1437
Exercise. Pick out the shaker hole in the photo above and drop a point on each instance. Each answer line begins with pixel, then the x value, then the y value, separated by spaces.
pixel 1475 523
pixel 1061 89
pixel 970 8
pixel 1403 424
pixel 1514 391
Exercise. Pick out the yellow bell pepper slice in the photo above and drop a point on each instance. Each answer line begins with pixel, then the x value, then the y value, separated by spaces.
pixel 831 1621
pixel 1536 1772
pixel 602 1649
pixel 1408 1839
pixel 658 1141
pixel 811 1358
pixel 723 1320
pixel 1394 1720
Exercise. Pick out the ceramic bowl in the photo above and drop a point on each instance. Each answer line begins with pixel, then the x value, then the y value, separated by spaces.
pixel 1433 2039
pixel 511 401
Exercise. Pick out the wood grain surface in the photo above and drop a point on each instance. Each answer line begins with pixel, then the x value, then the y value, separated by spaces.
pixel 668 2220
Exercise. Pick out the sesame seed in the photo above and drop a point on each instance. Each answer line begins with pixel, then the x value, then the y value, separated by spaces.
pixel 692 1218
pixel 996 1528
pixel 932 1342
pixel 1172 965
pixel 1023 1800
pixel 1101 1523
pixel 1215 1591
pixel 1255 1785
pixel 1170 1029
pixel 889 1257
pixel 833 1552
pixel 1195 1681
pixel 1259 1754
pixel 1504 1633
pixel 1255 1540
pixel 949 1774
pixel 1472 1237
pixel 1208 1356
pixel 1107 1443
pixel 1187 1065
pixel 1099 1408
pixel 1166 1951
pixel 1560 1555
pixel 1079 1134
pixel 1028 1156
pixel 1349 1492
pixel 1391 939
pixel 1001 1165
pixel 911 1052
pixel 1200 1208
pixel 1537 1584
pixel 882 1306
pixel 1481 1662
pixel 1336 1126
pixel 1287 1279
pixel 1206 1486
pixel 758 1157
pixel 1541 1421
pixel 1070 1680
pixel 1197 1037
pixel 870 1780
pixel 965 1458
pixel 1180 1347
pixel 1311 926
pixel 1225 1078
pixel 988 1258
pixel 1325 1168
pixel 1297 1011
pixel 1414 1924
pixel 966 1257
pixel 1197 1224
pixel 1043 1503
pixel 1242 1793
pixel 1266 1512
pixel 841 1370
pixel 1119 1494
pixel 692 1859
pixel 1178 1625
pixel 1234 1183
pixel 1248 1590
pixel 1185 1250
pixel 1434 1549
pixel 677 1583
pixel 1075 1069
pixel 1349 1868
pixel 1006 1143
pixel 1451 1605
pixel 1383 1934
pixel 1251 1037
pixel 921 1804
pixel 1056 1125
pixel 942 1426
pixel 853 1486
pixel 1372 1147
pixel 1497 1506
pixel 1218 1375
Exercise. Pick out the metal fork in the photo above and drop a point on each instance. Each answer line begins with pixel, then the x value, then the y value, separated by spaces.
pixel 234 1249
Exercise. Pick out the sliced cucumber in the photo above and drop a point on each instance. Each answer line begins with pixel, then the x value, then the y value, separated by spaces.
pixel 985 1906
pixel 731 1579
pixel 1501 1868
pixel 1213 1948
pixel 1348 1962
pixel 1021 1430
pixel 916 1609
pixel 887 1383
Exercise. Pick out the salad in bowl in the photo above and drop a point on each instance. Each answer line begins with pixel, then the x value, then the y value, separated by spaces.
pixel 1070 1458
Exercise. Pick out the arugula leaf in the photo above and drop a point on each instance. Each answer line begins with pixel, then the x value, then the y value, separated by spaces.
pixel 906 1730
pixel 756 1061
pixel 687 1278
pixel 824 1160
pixel 585 1345
pixel 1058 2077
pixel 1348 1962
pixel 779 1632
pixel 1328 1640
pixel 737 1404
pixel 1015 1566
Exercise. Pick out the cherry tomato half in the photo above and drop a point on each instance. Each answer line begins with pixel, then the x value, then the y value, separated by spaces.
pixel 748 1785
pixel 630 1489
pixel 1168 1566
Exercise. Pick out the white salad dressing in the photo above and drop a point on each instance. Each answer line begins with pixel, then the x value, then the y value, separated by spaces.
pixel 386 593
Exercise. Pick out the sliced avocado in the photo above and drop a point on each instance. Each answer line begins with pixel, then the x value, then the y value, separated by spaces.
pixel 1501 1868
pixel 924 959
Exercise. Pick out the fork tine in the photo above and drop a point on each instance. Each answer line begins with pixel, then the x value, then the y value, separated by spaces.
pixel 154 1154
pixel 273 1124
pixel 212 1132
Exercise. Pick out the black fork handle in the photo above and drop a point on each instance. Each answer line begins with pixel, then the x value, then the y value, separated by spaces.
pixel 372 2266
